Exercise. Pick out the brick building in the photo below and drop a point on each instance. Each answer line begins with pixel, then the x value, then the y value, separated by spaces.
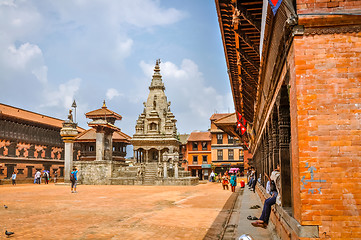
pixel 29 142
pixel 295 76
pixel 198 154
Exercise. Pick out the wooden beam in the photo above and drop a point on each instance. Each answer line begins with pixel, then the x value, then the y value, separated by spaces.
pixel 247 41
pixel 248 59
pixel 249 18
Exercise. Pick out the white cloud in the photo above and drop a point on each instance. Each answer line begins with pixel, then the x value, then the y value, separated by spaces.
pixel 64 95
pixel 111 93
pixel 193 101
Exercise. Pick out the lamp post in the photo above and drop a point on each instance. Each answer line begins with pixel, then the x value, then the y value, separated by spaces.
pixel 74 106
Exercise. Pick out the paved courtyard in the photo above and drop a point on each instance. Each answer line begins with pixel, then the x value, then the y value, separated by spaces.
pixel 113 212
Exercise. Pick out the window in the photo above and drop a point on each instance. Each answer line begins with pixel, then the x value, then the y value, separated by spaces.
pixel 195 146
pixel 61 171
pixel 195 159
pixel 20 171
pixel 153 126
pixel 205 159
pixel 230 154
pixel 241 155
pixel 204 146
pixel 219 138
pixel 30 171
pixel 1 171
pixel 230 139
pixel 91 148
pixel 219 154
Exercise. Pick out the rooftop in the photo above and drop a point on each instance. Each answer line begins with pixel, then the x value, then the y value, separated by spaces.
pixel 200 136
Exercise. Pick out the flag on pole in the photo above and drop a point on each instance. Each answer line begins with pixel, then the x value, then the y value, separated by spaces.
pixel 275 4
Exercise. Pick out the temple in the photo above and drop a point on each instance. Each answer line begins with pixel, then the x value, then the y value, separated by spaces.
pixel 155 142
pixel 102 148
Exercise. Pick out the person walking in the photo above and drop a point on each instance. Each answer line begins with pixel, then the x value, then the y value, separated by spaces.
pixel 74 179
pixel 38 177
pixel 225 181
pixel 55 176
pixel 13 178
pixel 233 182
pixel 212 177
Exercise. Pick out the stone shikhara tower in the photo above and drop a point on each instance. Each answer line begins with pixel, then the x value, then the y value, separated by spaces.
pixel 156 131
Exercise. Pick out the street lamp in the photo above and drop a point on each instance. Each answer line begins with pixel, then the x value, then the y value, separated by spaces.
pixel 74 106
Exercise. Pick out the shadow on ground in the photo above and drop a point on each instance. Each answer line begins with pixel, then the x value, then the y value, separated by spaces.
pixel 217 227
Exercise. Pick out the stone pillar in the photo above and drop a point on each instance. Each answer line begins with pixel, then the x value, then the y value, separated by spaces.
pixel 165 170
pixel 159 159
pixel 108 146
pixel 68 133
pixel 99 146
pixel 146 156
pixel 135 158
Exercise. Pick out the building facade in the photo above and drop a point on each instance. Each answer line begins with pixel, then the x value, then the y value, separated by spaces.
pixel 295 76
pixel 29 142
pixel 227 152
pixel 199 154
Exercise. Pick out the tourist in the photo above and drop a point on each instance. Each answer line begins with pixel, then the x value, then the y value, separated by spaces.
pixel 212 176
pixel 74 179
pixel 274 182
pixel 55 176
pixel 45 176
pixel 225 181
pixel 38 177
pixel 233 182
pixel 13 178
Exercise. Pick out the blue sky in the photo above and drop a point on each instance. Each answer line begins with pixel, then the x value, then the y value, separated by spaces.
pixel 52 52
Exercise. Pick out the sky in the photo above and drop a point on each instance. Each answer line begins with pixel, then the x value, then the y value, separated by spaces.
pixel 52 52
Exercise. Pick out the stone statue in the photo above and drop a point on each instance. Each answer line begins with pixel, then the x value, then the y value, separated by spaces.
pixel 160 170
pixel 140 171
pixel 70 115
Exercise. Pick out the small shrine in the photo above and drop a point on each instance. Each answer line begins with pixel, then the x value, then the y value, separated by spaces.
pixel 102 148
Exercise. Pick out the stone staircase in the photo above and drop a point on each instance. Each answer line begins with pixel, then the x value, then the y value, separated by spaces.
pixel 150 173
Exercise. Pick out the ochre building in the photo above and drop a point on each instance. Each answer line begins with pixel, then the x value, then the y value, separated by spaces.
pixel 199 154
pixel 227 150
pixel 295 75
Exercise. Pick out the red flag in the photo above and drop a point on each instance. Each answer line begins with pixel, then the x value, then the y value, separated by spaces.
pixel 239 116
pixel 239 125
pixel 244 122
pixel 243 130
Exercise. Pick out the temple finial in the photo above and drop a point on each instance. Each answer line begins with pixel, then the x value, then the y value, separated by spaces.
pixel 104 106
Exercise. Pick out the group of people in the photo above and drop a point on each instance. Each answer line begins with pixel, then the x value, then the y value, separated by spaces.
pixel 225 180
pixel 45 176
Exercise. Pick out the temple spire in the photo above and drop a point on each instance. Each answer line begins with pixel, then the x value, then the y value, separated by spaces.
pixel 157 77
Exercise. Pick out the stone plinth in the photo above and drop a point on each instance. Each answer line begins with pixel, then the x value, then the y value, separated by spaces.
pixel 68 133
pixel 97 172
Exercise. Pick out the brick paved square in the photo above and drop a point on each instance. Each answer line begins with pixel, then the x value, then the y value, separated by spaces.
pixel 111 212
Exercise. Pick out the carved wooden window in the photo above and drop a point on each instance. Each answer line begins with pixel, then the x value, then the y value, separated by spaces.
pixel 219 138
pixel 230 139
pixel 230 154
pixel 241 155
pixel 205 159
pixel 204 146
pixel 195 159
pixel 91 148
pixel 20 171
pixel 195 146
pixel 219 155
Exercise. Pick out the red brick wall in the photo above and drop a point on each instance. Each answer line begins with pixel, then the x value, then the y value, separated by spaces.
pixel 327 94
pixel 318 6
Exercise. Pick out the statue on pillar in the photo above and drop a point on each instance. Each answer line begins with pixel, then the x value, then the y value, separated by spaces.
pixel 70 115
